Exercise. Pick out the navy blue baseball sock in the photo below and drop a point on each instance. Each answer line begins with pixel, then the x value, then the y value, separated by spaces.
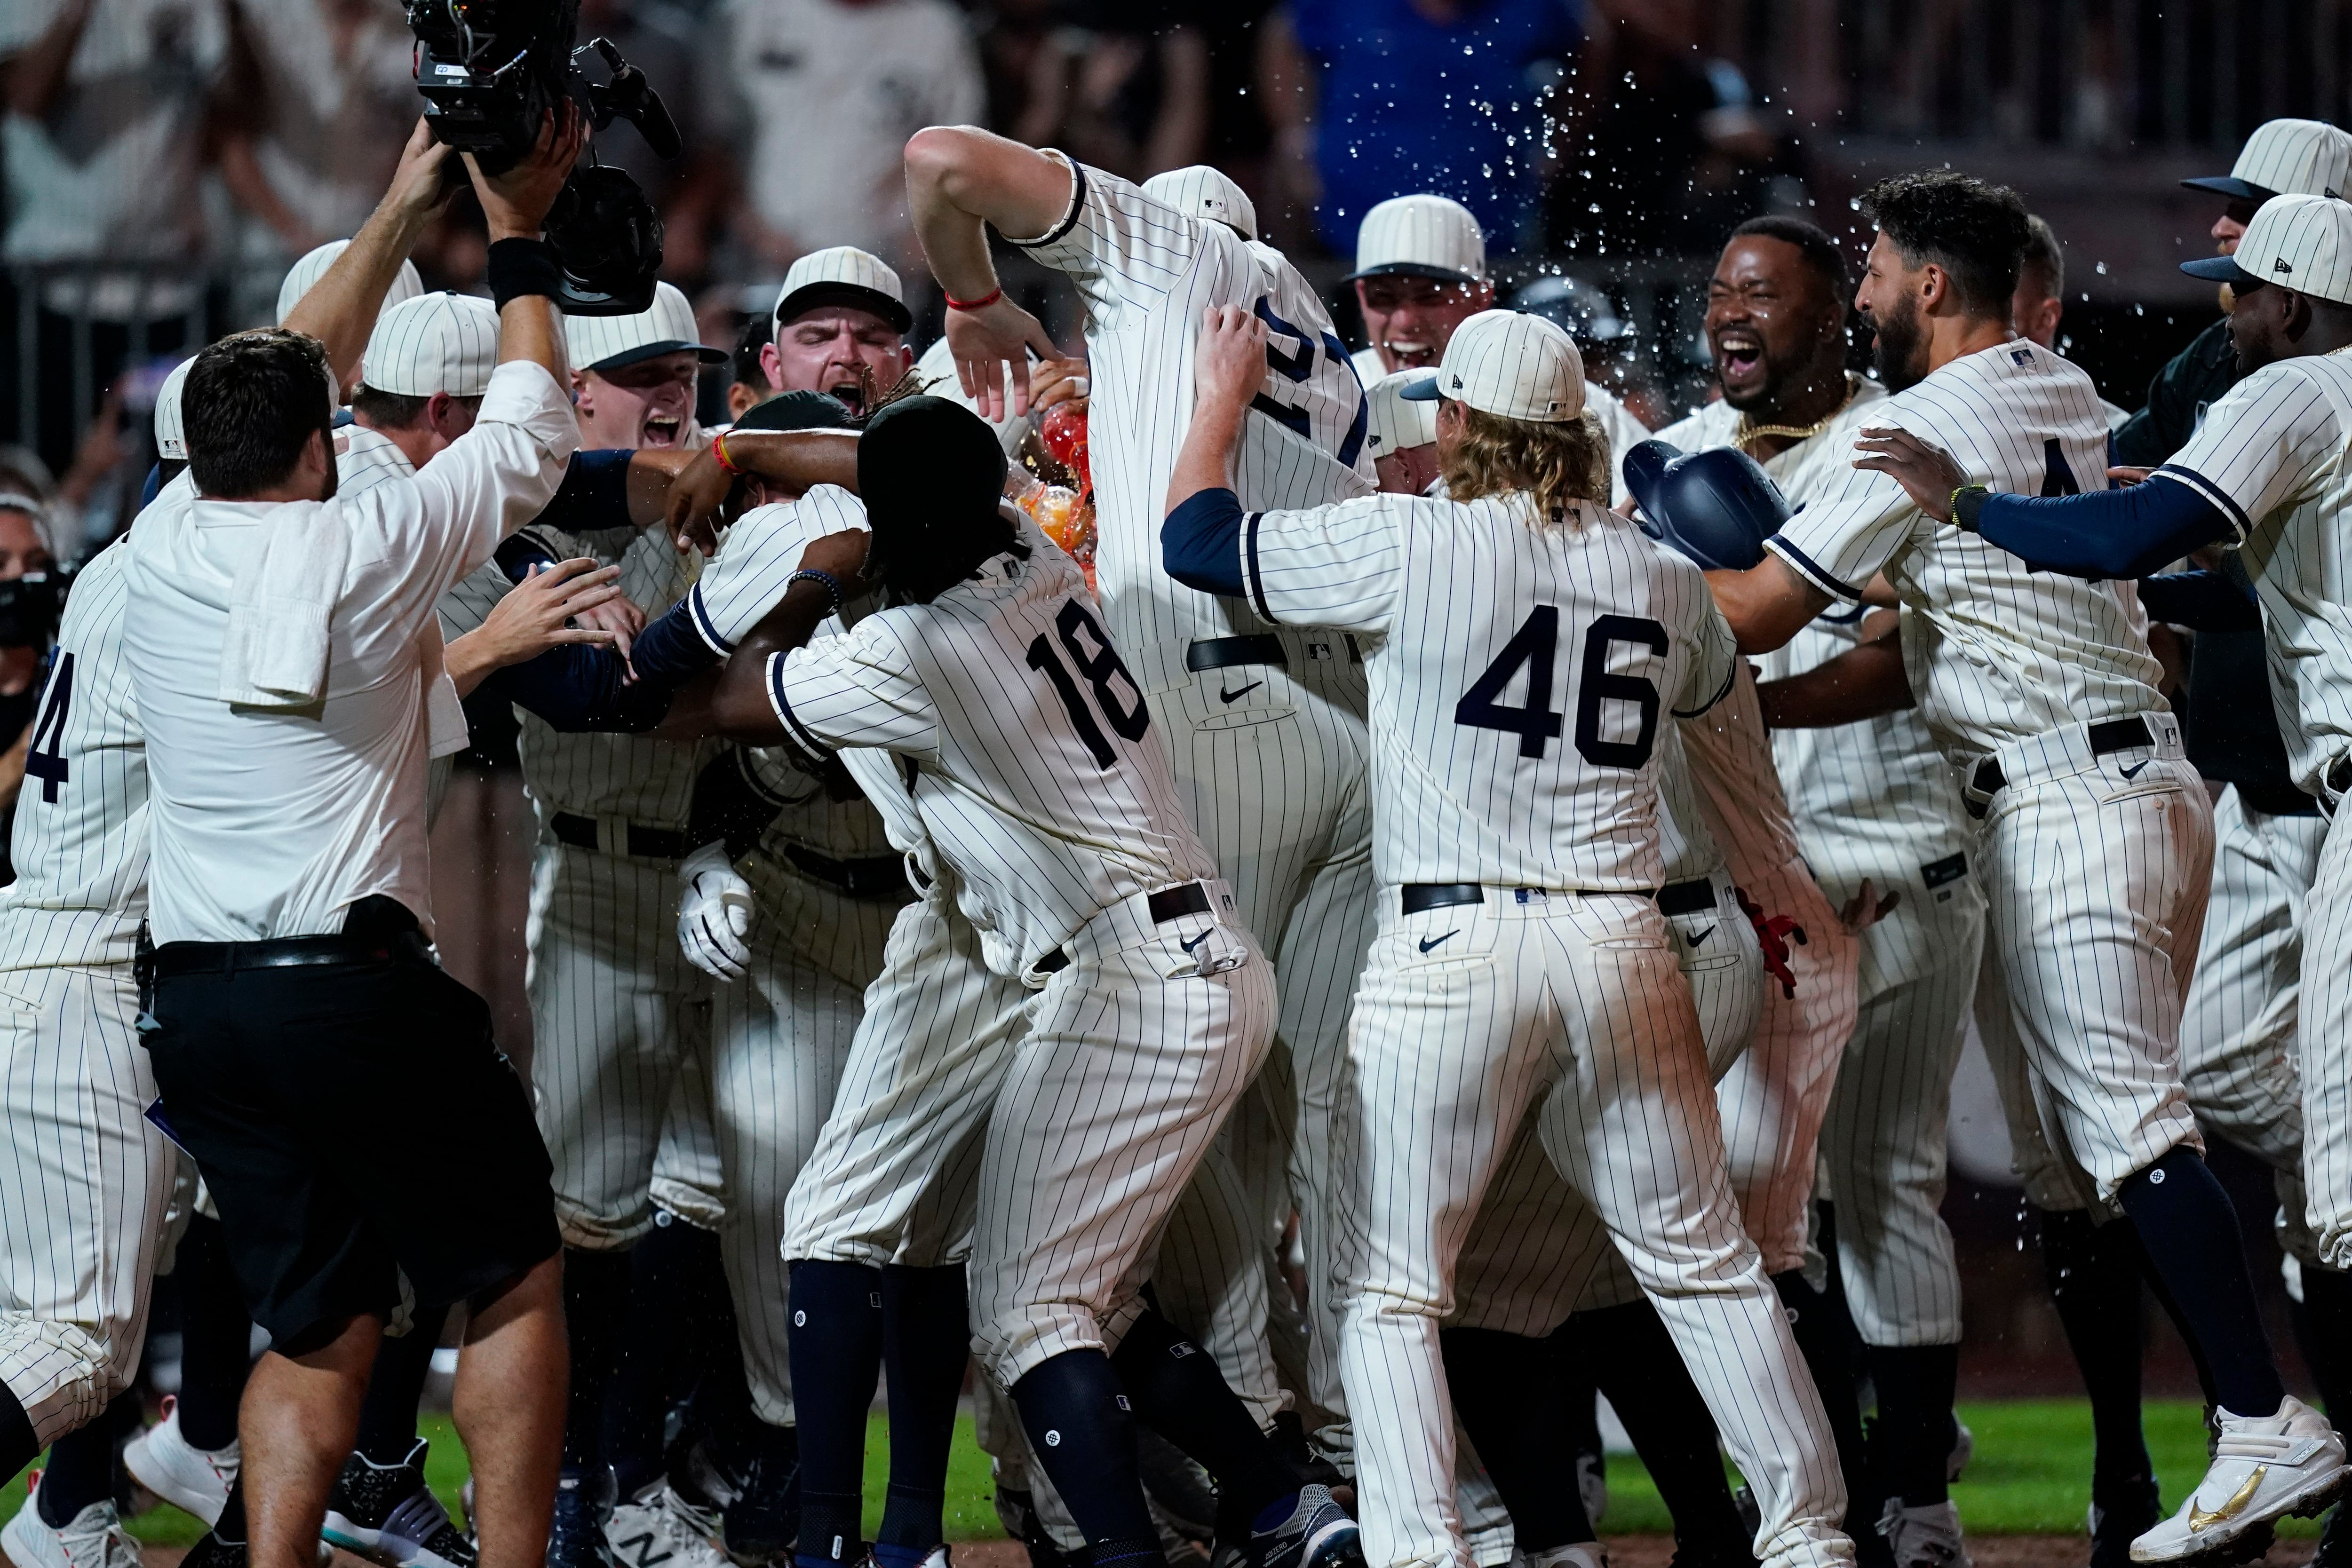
pixel 229 1529
pixel 2191 1235
pixel 836 1350
pixel 19 1444
pixel 1508 1397
pixel 1632 1359
pixel 595 1312
pixel 2323 1325
pixel 215 1336
pixel 395 1387
pixel 2093 1275
pixel 1082 1430
pixel 1178 1392
pixel 80 1472
pixel 1912 1445
pixel 674 1270
pixel 926 1341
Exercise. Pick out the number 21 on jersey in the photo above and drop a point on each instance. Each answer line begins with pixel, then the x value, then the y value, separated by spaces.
pixel 1534 648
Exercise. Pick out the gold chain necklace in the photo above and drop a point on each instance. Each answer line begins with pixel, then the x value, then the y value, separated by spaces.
pixel 1749 431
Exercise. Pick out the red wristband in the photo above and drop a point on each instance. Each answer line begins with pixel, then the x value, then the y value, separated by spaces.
pixel 982 303
pixel 719 454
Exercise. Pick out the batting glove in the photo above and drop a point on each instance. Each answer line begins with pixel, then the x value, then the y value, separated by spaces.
pixel 1772 934
pixel 714 913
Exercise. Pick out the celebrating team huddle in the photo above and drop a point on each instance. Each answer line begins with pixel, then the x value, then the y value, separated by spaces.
pixel 951 951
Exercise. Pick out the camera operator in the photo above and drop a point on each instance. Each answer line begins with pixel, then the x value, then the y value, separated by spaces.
pixel 26 622
pixel 283 647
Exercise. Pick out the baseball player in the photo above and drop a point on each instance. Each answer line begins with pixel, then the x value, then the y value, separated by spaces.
pixel 2095 840
pixel 990 682
pixel 1519 970
pixel 1876 813
pixel 1421 272
pixel 1264 728
pixel 348 329
pixel 839 328
pixel 1400 435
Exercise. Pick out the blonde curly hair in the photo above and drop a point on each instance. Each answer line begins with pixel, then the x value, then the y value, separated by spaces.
pixel 1552 465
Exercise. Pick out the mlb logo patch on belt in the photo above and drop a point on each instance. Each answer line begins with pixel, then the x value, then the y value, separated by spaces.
pixel 1939 875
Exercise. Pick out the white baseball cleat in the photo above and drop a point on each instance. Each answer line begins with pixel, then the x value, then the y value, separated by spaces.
pixel 1964 1449
pixel 1576 1554
pixel 196 1480
pixel 659 1529
pixel 94 1538
pixel 2263 1467
pixel 1927 1537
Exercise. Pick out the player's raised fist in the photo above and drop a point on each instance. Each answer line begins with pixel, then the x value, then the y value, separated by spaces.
pixel 1229 361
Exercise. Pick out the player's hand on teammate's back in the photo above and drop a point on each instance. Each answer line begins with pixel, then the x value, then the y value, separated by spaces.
pixel 714 913
pixel 533 619
pixel 620 621
pixel 2121 475
pixel 516 201
pixel 1926 475
pixel 991 344
pixel 843 556
pixel 1229 360
pixel 702 501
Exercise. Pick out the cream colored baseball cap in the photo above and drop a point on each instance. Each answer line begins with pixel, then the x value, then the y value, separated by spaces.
pixel 1420 236
pixel 304 275
pixel 433 343
pixel 2286 157
pixel 2302 242
pixel 1398 422
pixel 843 275
pixel 1509 365
pixel 609 342
pixel 171 426
pixel 1205 193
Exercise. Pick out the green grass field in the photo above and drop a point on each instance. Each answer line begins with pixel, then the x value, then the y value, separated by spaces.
pixel 2030 1476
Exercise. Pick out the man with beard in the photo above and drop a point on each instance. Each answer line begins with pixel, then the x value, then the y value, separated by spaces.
pixel 2096 839
pixel 1876 808
pixel 840 322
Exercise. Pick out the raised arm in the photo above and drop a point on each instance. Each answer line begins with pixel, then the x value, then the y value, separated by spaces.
pixel 790 462
pixel 523 274
pixel 1199 542
pixel 340 310
pixel 961 180
pixel 1766 604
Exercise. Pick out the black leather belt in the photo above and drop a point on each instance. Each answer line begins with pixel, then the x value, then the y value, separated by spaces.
pixel 2114 735
pixel 1418 896
pixel 878 877
pixel 173 959
pixel 1168 903
pixel 645 843
pixel 1220 652
pixel 1687 898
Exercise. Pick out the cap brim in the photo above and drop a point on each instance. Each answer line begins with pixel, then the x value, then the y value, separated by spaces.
pixel 2219 269
pixel 1413 269
pixel 627 357
pixel 2231 186
pixel 800 301
pixel 1423 390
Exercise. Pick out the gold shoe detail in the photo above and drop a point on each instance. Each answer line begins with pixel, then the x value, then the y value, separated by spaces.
pixel 2199 1519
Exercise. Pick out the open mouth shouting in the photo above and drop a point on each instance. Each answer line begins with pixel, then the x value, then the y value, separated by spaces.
pixel 851 395
pixel 1411 356
pixel 1740 358
pixel 663 429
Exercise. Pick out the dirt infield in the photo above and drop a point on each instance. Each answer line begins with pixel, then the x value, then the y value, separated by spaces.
pixel 1656 1551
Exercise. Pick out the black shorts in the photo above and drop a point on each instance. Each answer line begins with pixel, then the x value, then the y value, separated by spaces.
pixel 355 1122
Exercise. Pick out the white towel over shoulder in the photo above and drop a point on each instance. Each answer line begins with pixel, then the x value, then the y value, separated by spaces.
pixel 276 651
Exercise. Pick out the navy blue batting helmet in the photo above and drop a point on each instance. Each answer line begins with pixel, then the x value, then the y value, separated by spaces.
pixel 1717 506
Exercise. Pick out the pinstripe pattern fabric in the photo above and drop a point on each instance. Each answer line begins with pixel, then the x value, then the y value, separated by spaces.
pixel 1514 366
pixel 1995 653
pixel 367 458
pixel 2299 242
pixel 89 1178
pixel 2095 882
pixel 304 275
pixel 2327 1048
pixel 2270 456
pixel 1421 231
pixel 1452 1049
pixel 435 343
pixel 2308 155
pixel 2039 1155
pixel 689 1180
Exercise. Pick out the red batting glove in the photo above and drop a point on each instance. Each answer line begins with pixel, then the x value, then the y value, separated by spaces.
pixel 1772 934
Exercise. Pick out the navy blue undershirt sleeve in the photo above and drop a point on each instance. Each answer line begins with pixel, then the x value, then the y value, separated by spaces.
pixel 594 494
pixel 1200 543
pixel 579 687
pixel 2101 534
pixel 669 651
pixel 2200 601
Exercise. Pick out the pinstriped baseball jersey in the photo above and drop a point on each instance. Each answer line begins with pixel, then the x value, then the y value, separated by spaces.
pixel 80 838
pixel 1482 616
pixel 1995 653
pixel 1034 770
pixel 1147 272
pixel 2270 456
pixel 1688 850
pixel 1737 785
pixel 365 458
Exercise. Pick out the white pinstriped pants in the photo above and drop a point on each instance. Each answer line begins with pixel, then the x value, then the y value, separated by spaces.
pixel 2327 1048
pixel 1775 1096
pixel 1577 999
pixel 85 1184
pixel 2095 886
pixel 1274 783
pixel 895 1171
pixel 1133 1060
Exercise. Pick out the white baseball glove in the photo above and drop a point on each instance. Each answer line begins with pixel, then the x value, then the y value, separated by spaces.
pixel 714 913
